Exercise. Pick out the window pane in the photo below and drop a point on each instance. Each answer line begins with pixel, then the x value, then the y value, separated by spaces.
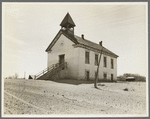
pixel 105 76
pixel 96 59
pixel 112 64
pixel 105 62
pixel 112 77
pixel 87 73
pixel 87 58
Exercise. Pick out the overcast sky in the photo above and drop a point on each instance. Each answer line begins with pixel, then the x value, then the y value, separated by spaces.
pixel 28 29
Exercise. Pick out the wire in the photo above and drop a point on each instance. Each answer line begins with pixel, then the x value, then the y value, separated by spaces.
pixel 125 19
pixel 103 13
pixel 105 26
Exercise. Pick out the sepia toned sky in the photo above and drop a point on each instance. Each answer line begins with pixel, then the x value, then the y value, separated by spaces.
pixel 28 29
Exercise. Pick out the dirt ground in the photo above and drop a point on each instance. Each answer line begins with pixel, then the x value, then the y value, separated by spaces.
pixel 78 98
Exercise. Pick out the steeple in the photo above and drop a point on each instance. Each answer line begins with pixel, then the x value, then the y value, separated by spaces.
pixel 67 24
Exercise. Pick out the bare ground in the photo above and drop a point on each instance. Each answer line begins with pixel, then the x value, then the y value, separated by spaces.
pixel 60 98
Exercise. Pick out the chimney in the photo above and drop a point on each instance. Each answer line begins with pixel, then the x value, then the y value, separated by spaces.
pixel 82 36
pixel 100 43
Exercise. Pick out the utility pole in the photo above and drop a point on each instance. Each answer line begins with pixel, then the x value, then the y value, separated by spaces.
pixel 95 85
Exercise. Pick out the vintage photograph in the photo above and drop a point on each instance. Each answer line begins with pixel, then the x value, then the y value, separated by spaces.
pixel 74 59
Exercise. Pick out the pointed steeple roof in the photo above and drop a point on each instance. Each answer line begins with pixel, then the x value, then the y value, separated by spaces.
pixel 67 21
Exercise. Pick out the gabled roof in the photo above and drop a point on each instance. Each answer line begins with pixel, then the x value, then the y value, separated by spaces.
pixel 93 45
pixel 70 36
pixel 67 20
pixel 79 41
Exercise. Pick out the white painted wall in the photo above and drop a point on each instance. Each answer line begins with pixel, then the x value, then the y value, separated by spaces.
pixel 108 69
pixel 93 68
pixel 71 56
pixel 75 58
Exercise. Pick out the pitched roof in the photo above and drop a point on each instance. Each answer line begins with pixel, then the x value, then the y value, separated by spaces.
pixel 67 20
pixel 93 45
pixel 78 40
pixel 70 36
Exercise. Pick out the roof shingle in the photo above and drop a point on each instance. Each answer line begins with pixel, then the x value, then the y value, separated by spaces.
pixel 93 45
pixel 78 40
pixel 67 20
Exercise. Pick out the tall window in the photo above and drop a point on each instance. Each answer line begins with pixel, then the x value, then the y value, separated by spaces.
pixel 105 76
pixel 112 77
pixel 112 63
pixel 96 59
pixel 87 74
pixel 105 61
pixel 87 59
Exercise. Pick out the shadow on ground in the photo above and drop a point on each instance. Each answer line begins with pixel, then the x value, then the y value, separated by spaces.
pixel 73 82
pixel 76 82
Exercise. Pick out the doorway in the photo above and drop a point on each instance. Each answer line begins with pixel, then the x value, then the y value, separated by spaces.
pixel 87 73
pixel 61 59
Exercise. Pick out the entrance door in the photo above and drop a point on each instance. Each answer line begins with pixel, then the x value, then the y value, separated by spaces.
pixel 61 59
pixel 87 75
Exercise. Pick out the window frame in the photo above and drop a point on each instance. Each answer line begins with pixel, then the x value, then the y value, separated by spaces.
pixel 86 75
pixel 96 63
pixel 112 63
pixel 104 75
pixel 105 62
pixel 87 60
pixel 112 77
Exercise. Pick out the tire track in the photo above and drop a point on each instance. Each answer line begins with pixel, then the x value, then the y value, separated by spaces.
pixel 7 110
pixel 48 112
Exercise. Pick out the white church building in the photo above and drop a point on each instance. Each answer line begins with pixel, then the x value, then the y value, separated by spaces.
pixel 74 57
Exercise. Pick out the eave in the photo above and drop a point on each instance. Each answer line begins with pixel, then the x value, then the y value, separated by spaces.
pixel 95 50
pixel 57 37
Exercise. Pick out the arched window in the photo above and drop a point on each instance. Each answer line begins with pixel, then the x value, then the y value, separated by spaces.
pixel 71 29
pixel 63 28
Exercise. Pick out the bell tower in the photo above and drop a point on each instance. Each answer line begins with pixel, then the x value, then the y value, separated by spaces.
pixel 67 24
